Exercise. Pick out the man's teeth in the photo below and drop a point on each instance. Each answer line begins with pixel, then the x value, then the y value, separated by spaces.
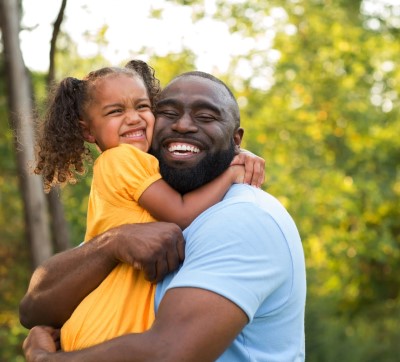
pixel 183 148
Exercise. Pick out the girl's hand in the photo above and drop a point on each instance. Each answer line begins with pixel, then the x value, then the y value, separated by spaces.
pixel 237 172
pixel 254 167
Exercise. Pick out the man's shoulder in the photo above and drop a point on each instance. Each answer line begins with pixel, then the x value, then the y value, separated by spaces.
pixel 245 207
pixel 241 202
pixel 255 198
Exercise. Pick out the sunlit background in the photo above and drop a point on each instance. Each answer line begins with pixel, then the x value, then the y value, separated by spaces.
pixel 318 83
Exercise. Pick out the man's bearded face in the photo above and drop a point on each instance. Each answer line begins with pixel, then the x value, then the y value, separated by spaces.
pixel 187 179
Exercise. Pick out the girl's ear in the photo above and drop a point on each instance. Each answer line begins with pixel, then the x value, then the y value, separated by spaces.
pixel 86 132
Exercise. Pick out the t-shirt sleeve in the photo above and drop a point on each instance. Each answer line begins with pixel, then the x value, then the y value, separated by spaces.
pixel 239 252
pixel 125 172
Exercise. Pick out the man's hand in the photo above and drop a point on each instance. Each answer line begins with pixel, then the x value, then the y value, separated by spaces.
pixel 254 167
pixel 157 248
pixel 63 281
pixel 204 325
pixel 40 341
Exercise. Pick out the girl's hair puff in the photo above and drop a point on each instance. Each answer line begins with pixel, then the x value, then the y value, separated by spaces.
pixel 147 73
pixel 61 149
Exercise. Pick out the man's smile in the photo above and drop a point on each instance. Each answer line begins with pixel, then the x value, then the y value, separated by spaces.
pixel 182 148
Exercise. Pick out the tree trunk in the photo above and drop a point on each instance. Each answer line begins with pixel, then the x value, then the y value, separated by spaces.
pixel 59 224
pixel 21 117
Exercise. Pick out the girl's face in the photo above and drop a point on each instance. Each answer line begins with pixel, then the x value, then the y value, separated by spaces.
pixel 120 112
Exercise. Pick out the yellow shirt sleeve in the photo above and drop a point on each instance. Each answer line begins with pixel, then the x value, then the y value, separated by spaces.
pixel 123 173
pixel 120 176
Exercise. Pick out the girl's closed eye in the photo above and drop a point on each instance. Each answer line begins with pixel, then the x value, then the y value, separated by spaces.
pixel 144 106
pixel 114 111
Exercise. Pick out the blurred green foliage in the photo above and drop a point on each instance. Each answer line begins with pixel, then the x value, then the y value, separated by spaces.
pixel 322 107
pixel 14 254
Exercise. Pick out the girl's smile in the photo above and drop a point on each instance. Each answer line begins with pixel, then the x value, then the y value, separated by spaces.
pixel 119 113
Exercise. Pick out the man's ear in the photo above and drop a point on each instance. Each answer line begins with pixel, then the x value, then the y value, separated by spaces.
pixel 237 138
pixel 86 132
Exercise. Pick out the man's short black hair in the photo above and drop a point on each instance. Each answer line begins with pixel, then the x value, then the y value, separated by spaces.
pixel 235 106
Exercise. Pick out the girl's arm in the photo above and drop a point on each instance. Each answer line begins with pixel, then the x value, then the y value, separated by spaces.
pixel 166 204
pixel 254 167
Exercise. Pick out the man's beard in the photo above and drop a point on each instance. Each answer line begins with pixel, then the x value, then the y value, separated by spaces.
pixel 187 179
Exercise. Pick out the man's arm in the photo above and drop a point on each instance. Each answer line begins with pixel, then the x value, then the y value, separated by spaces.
pixel 192 324
pixel 60 284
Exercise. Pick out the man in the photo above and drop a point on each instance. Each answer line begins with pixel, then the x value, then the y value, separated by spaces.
pixel 240 293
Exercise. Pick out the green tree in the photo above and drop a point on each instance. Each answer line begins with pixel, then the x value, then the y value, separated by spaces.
pixel 319 96
pixel 327 128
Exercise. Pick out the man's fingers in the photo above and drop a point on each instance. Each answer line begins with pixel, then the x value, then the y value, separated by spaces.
pixel 55 334
pixel 172 260
pixel 150 271
pixel 161 269
pixel 41 339
pixel 176 255
pixel 180 246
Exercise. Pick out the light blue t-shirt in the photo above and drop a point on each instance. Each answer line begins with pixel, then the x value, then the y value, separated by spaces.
pixel 247 249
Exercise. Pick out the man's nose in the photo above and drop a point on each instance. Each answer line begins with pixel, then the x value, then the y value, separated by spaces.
pixel 184 124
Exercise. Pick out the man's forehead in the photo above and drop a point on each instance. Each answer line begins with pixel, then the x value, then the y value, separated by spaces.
pixel 195 87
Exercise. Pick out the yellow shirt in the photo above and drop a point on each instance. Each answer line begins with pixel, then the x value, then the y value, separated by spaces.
pixel 124 301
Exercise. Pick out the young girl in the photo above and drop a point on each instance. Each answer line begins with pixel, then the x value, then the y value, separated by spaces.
pixel 112 107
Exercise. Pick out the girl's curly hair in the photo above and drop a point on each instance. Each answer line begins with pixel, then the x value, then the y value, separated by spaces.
pixel 147 74
pixel 61 150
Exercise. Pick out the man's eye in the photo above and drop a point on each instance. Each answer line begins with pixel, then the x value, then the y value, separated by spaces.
pixel 205 117
pixel 144 106
pixel 168 114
